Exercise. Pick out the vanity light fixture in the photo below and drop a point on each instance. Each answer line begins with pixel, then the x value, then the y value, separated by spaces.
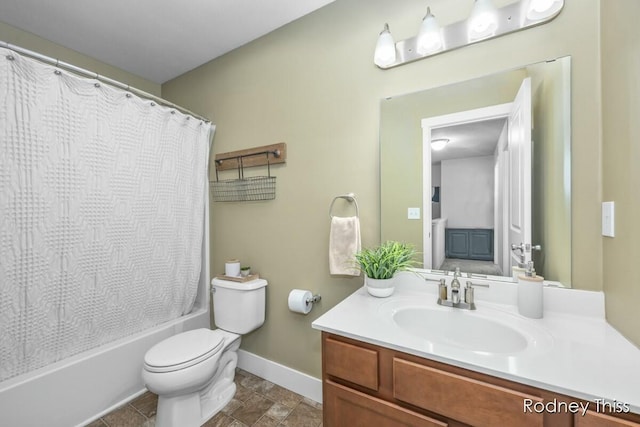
pixel 485 22
pixel 439 143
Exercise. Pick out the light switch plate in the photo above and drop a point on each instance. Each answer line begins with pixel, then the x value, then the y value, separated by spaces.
pixel 608 219
pixel 413 213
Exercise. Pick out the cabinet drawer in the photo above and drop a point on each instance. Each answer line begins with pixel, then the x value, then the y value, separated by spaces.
pixel 467 400
pixel 351 363
pixel 347 407
pixel 595 419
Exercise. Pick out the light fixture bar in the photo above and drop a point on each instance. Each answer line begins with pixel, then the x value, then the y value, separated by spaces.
pixel 510 18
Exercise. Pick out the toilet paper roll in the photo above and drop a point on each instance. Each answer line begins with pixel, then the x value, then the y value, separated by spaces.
pixel 298 301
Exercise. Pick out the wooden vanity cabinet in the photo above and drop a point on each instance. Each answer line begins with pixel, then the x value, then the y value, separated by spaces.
pixel 367 385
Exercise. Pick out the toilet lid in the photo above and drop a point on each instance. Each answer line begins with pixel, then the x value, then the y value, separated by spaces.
pixel 183 350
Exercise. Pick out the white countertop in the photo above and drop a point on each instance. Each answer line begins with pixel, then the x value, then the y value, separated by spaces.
pixel 580 354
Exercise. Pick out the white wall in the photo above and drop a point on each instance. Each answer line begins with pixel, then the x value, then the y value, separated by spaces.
pixel 467 193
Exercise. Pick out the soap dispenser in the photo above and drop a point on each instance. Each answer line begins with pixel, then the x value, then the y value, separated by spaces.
pixel 530 293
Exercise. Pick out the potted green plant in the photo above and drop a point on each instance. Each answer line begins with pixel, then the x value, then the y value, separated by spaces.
pixel 381 263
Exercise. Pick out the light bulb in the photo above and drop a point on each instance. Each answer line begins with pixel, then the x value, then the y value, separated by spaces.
pixel 439 144
pixel 483 21
pixel 541 5
pixel 429 36
pixel 385 53
pixel 542 9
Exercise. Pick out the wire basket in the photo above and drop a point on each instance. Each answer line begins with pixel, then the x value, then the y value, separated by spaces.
pixel 245 189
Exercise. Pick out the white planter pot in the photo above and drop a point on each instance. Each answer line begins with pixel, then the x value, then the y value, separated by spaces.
pixel 380 288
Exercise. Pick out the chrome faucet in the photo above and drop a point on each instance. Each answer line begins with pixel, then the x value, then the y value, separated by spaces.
pixel 468 301
pixel 455 287
pixel 522 250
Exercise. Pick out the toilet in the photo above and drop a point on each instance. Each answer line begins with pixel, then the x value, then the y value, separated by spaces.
pixel 192 372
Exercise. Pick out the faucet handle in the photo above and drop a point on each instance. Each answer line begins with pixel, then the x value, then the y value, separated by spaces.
pixel 442 290
pixel 468 293
pixel 442 287
pixel 468 296
pixel 481 285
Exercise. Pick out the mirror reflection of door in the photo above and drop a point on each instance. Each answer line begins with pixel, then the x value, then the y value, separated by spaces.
pixel 519 149
pixel 480 163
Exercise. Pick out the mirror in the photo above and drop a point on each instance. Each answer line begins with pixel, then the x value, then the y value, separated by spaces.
pixel 465 194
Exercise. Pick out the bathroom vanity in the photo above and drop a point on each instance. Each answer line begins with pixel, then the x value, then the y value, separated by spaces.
pixel 405 361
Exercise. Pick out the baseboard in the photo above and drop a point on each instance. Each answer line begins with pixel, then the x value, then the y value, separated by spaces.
pixel 293 380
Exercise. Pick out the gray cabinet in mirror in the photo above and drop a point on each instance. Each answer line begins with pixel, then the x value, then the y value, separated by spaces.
pixel 473 182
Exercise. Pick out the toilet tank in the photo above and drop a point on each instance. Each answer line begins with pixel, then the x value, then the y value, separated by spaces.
pixel 238 307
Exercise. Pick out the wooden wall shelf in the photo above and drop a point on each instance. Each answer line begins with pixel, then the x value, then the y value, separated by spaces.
pixel 252 157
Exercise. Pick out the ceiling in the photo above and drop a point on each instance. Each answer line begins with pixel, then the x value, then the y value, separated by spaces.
pixel 473 139
pixel 154 39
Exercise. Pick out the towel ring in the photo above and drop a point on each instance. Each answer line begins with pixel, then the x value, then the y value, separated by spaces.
pixel 350 197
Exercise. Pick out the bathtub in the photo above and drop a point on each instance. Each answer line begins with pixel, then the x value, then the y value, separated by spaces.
pixel 84 387
pixel 80 389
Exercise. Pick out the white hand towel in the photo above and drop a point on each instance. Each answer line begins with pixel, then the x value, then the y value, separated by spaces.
pixel 344 243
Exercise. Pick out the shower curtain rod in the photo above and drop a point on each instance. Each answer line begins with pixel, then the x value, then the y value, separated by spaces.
pixel 86 73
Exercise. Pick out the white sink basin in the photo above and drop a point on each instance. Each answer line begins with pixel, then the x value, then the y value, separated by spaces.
pixel 459 329
pixel 484 331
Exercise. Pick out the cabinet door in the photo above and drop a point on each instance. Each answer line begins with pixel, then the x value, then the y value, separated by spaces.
pixel 481 245
pixel 351 363
pixel 595 419
pixel 459 398
pixel 457 243
pixel 346 407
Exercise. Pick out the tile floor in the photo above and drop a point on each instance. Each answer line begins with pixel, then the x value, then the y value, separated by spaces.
pixel 257 403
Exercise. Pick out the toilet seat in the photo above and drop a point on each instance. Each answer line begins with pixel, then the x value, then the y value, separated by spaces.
pixel 183 350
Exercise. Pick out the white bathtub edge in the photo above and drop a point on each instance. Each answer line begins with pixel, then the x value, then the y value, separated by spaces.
pixel 113 407
pixel 296 381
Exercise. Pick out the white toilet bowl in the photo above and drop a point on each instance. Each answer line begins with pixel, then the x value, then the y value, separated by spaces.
pixel 192 372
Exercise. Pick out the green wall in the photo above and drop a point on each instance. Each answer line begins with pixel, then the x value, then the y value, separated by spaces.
pixel 313 85
pixel 621 161
pixel 551 201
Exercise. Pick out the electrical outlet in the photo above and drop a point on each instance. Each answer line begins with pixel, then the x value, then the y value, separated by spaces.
pixel 413 213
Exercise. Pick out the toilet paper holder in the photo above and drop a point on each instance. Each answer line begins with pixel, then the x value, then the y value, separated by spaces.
pixel 314 299
pixel 301 301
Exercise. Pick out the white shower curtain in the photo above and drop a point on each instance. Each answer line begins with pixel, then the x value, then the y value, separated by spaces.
pixel 101 213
